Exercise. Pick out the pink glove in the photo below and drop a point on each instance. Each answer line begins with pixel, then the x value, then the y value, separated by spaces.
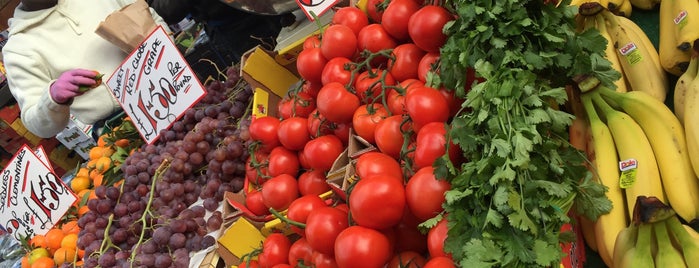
pixel 68 84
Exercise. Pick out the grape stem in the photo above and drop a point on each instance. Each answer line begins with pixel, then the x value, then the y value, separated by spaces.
pixel 158 174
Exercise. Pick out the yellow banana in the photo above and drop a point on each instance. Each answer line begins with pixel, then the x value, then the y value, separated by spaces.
pixel 686 240
pixel 614 5
pixel 686 17
pixel 692 233
pixel 624 9
pixel 691 122
pixel 625 240
pixel 666 136
pixel 639 169
pixel 640 256
pixel 606 171
pixel 644 4
pixel 672 59
pixel 636 61
pixel 610 53
pixel 681 87
pixel 636 33
pixel 667 255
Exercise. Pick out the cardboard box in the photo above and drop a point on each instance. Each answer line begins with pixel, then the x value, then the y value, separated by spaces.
pixel 269 79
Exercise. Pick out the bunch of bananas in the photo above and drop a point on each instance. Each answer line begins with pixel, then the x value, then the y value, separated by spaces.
pixel 687 107
pixel 678 31
pixel 629 50
pixel 636 147
pixel 656 238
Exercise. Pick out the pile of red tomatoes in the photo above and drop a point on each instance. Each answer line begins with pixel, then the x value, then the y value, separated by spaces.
pixel 364 77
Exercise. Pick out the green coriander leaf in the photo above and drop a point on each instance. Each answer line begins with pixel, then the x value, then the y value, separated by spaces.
pixel 546 253
pixel 591 200
pixel 481 253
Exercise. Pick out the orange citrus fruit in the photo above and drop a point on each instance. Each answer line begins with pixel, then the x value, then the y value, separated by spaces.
pixel 54 238
pixel 82 210
pixel 82 172
pixel 25 261
pixel 38 241
pixel 64 255
pixel 78 184
pixel 100 141
pixel 70 227
pixel 70 241
pixel 43 262
pixel 103 164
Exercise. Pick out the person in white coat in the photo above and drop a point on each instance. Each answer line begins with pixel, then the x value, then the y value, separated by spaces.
pixel 52 50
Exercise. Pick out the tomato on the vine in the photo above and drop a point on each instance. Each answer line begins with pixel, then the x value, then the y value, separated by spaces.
pixel 439 262
pixel 310 63
pixel 366 118
pixel 275 250
pixel 359 246
pixel 374 38
pixel 300 104
pixel 313 182
pixel 370 84
pixel 342 131
pixel 395 18
pixel 249 264
pixel 322 227
pixel 293 133
pixel 311 88
pixel 378 201
pixel 278 192
pixel 431 143
pixel 336 103
pixel 338 41
pixel 338 69
pixel 396 96
pixel 406 57
pixel 370 164
pixel 388 135
pixel 283 161
pixel 428 63
pixel 300 252
pixel 254 202
pixel 300 208
pixel 424 193
pixel 318 125
pixel 321 260
pixel 352 17
pixel 436 237
pixel 256 171
pixel 264 129
pixel 322 151
pixel 453 101
pixel 407 259
pixel 375 9
pixel 409 237
pixel 426 105
pixel 426 25
pixel 311 42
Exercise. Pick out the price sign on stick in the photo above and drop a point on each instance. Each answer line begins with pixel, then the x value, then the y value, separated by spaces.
pixel 315 7
pixel 155 85
pixel 32 198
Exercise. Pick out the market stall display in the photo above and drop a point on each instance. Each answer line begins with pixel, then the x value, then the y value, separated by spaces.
pixel 407 133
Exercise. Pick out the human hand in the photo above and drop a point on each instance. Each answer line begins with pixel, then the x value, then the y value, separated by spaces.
pixel 69 83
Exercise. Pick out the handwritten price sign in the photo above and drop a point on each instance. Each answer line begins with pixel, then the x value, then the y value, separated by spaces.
pixel 155 85
pixel 33 198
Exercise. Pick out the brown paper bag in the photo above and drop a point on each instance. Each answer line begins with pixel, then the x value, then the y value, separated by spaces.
pixel 128 27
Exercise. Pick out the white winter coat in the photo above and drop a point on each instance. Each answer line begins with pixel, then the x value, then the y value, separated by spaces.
pixel 43 44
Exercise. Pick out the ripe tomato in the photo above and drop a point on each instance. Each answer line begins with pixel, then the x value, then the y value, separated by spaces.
pixel 318 125
pixel 374 38
pixel 283 161
pixel 300 104
pixel 425 193
pixel 293 133
pixel 256 172
pixel 389 137
pixel 426 27
pixel 338 41
pixel 313 182
pixel 408 235
pixel 406 57
pixel 435 239
pixel 378 201
pixel 431 143
pixel 311 88
pixel 374 9
pixel 440 262
pixel 321 152
pixel 275 250
pixel 302 160
pixel 321 260
pixel 337 104
pixel 249 264
pixel 426 105
pixel 310 63
pixel 342 131
pixel 338 69
pixel 300 252
pixel 366 118
pixel 427 64
pixel 369 84
pixel 453 101
pixel 375 163
pixel 254 202
pixel 395 18
pixel 311 42
pixel 322 227
pixel 264 129
pixel 359 246
pixel 278 192
pixel 300 208
pixel 352 17
pixel 396 97
pixel 407 259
